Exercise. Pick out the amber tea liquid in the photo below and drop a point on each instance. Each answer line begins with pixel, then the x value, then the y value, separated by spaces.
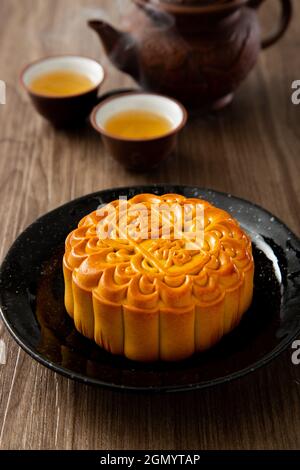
pixel 138 124
pixel 61 83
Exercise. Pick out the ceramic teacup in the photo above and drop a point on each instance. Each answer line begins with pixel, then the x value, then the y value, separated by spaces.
pixel 140 154
pixel 69 109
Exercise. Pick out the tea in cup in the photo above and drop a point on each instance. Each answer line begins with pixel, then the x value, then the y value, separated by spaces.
pixel 63 89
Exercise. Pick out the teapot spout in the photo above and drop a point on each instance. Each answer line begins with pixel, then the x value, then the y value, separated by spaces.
pixel 120 47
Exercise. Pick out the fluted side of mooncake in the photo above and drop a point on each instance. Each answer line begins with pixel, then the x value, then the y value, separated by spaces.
pixel 153 299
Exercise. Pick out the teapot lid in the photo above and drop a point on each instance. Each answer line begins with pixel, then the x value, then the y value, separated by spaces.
pixel 189 6
pixel 190 2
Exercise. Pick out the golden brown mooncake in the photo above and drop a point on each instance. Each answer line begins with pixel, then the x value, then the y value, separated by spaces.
pixel 153 298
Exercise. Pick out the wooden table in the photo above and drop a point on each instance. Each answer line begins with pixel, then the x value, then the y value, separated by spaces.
pixel 250 149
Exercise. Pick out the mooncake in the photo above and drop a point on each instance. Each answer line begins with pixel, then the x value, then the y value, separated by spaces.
pixel 157 295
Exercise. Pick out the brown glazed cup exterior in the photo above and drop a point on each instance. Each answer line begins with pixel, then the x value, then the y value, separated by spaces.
pixel 139 154
pixel 63 111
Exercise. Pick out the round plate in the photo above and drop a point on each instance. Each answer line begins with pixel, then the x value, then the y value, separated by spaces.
pixel 32 303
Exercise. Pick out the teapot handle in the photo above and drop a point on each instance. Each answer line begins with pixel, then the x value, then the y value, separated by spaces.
pixel 286 16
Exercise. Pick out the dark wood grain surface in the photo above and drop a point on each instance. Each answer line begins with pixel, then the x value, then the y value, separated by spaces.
pixel 250 149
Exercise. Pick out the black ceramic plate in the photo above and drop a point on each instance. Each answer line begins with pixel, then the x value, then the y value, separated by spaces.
pixel 32 306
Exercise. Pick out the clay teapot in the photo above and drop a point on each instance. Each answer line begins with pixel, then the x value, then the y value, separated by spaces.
pixel 197 51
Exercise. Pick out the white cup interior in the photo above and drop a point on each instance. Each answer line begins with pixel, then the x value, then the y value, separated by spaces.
pixel 82 65
pixel 146 102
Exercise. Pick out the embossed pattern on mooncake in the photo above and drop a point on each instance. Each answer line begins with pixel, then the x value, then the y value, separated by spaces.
pixel 154 299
